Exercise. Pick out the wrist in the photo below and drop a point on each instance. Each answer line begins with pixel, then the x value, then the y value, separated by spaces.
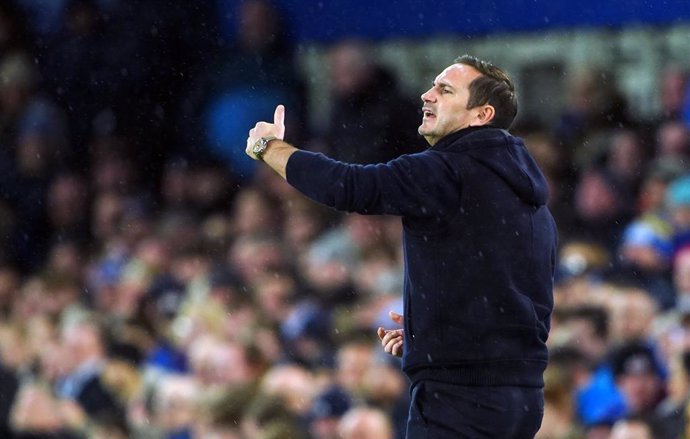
pixel 262 145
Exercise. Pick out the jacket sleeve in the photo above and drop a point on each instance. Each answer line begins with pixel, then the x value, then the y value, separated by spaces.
pixel 415 185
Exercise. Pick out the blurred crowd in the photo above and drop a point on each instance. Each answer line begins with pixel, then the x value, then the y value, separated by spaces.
pixel 156 284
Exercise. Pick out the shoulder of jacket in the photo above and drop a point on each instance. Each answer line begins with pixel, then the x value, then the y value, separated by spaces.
pixel 488 135
pixel 489 138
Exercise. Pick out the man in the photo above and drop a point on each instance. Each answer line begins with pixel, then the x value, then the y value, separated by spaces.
pixel 480 251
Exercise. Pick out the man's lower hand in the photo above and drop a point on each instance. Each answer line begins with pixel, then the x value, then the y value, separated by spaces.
pixel 392 339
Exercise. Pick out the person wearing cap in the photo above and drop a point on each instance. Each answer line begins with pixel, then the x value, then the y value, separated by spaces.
pixel 638 377
pixel 326 411
pixel 479 252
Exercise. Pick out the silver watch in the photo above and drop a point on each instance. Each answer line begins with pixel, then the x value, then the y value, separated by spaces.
pixel 261 146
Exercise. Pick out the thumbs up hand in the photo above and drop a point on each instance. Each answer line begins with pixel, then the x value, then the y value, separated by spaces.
pixel 275 130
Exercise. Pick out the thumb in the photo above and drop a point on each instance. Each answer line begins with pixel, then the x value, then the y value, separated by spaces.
pixel 279 120
pixel 397 318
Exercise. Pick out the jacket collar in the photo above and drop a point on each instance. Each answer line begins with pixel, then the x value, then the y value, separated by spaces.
pixel 454 136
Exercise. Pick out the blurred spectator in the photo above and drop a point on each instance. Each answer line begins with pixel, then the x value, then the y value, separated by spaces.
pixel 174 406
pixel 554 162
pixel 209 360
pixel 84 343
pixel 263 410
pixel 366 104
pixel 327 411
pixel 67 203
pixel 625 159
pixel 602 206
pixel 303 223
pixel 678 204
pixel 365 423
pixel 594 104
pixel 252 74
pixel 638 378
pixel 647 244
pixel 37 412
pixel 669 418
pixel 631 312
pixel 354 359
pixel 306 333
pixel 255 255
pixel 673 140
pixel 584 327
pixel 631 429
pixel 567 370
pixel 681 279
pixel 294 384
pixel 209 187
pixel 385 388
pixel 255 213
pixel 673 87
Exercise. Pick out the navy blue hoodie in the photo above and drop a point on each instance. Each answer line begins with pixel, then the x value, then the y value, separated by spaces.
pixel 479 246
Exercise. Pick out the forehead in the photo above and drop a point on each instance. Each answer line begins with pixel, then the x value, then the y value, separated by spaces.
pixel 457 75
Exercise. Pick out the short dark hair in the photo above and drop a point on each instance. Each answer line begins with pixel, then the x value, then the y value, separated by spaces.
pixel 495 88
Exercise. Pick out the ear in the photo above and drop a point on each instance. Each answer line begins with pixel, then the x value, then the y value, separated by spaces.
pixel 485 115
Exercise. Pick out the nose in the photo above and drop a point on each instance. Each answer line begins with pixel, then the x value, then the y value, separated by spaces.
pixel 428 95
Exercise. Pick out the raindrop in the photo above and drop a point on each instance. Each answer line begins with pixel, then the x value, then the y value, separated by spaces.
pixel 428 357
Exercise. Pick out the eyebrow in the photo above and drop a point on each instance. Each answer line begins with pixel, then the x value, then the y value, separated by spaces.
pixel 442 84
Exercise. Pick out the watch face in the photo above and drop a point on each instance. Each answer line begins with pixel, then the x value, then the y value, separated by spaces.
pixel 259 146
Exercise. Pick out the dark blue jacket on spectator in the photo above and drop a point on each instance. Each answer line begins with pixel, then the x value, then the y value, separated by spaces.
pixel 479 244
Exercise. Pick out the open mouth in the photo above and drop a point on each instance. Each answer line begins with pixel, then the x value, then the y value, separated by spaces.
pixel 428 114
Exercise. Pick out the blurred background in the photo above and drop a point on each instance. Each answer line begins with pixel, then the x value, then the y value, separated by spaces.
pixel 156 284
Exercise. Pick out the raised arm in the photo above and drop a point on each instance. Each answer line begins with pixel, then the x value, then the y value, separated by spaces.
pixel 417 185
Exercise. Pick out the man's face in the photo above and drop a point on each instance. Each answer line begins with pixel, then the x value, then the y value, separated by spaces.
pixel 445 103
pixel 640 390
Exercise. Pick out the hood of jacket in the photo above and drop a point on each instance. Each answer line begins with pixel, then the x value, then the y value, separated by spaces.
pixel 487 146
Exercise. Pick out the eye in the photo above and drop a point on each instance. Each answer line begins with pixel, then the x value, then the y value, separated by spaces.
pixel 445 91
